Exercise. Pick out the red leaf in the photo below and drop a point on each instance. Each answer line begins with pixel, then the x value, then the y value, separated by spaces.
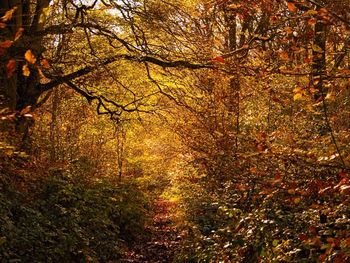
pixel 342 174
pixel 6 44
pixel 302 237
pixel 11 67
pixel 219 59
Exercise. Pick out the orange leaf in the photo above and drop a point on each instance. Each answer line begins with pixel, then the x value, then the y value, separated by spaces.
pixel 284 55
pixel 11 67
pixel 219 59
pixel 2 25
pixel 29 56
pixel 19 33
pixel 6 44
pixel 44 63
pixel 25 70
pixel 26 110
pixel 8 15
pixel 292 7
pixel 253 170
pixel 288 30
pixel 312 21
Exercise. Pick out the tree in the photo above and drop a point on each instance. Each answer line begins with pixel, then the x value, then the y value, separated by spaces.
pixel 38 39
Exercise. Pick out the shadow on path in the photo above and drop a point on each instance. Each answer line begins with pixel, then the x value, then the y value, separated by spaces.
pixel 163 241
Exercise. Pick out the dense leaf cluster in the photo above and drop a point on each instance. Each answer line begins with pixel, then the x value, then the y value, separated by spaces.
pixel 64 218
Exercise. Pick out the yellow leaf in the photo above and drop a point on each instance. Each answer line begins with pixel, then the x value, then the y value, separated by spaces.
pixel 292 7
pixel 234 6
pixel 44 14
pixel 29 56
pixel 8 15
pixel 317 48
pixel 298 96
pixel 19 33
pixel 25 70
pixel 330 96
pixel 297 200
pixel 311 12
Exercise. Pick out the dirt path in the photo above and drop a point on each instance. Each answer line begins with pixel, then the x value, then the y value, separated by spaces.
pixel 163 240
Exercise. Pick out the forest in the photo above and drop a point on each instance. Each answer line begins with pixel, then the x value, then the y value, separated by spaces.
pixel 174 131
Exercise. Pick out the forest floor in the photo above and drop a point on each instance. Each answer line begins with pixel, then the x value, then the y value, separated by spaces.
pixel 162 241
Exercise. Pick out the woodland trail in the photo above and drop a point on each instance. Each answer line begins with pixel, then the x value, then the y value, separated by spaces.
pixel 163 240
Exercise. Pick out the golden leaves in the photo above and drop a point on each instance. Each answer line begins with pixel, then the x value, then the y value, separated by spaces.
pixel 30 57
pixel 234 6
pixel 299 94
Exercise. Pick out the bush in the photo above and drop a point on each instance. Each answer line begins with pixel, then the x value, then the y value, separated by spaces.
pixel 67 220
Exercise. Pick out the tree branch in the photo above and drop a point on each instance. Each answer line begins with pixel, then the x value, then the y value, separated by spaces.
pixel 57 80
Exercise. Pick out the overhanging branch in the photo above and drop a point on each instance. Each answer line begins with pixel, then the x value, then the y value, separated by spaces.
pixel 57 80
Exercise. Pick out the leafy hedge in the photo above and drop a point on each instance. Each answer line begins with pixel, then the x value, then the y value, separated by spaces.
pixel 65 219
pixel 262 214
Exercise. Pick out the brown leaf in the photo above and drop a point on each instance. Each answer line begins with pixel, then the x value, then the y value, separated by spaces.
pixel 11 67
pixel 8 15
pixel 29 56
pixel 6 44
